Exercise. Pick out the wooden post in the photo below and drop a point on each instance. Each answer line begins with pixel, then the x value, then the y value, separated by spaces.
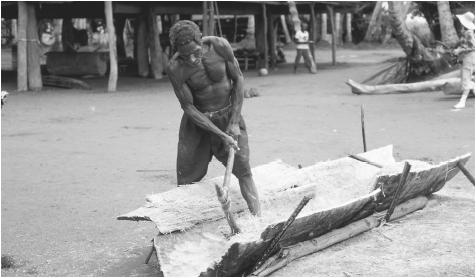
pixel 235 28
pixel 67 35
pixel 142 53
pixel 272 28
pixel 155 50
pixel 265 28
pixel 22 74
pixel 313 32
pixel 120 23
pixel 112 85
pixel 338 28
pixel 330 10
pixel 205 18
pixel 33 50
pixel 211 19
pixel 324 26
pixel 348 30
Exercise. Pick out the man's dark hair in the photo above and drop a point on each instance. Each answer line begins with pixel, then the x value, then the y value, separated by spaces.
pixel 183 32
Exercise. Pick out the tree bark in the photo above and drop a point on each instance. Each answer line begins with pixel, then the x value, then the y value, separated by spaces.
pixel 155 50
pixel 34 66
pixel 285 29
pixel 402 35
pixel 448 31
pixel 22 74
pixel 142 53
pixel 373 33
pixel 112 84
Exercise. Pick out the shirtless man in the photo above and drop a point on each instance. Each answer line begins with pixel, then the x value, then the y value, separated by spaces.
pixel 209 86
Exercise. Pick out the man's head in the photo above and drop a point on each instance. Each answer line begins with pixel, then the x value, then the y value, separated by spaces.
pixel 185 38
pixel 305 27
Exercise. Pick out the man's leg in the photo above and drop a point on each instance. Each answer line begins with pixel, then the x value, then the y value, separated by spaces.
pixel 241 168
pixel 193 153
pixel 309 61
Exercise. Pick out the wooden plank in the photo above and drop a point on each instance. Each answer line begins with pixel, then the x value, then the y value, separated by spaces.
pixel 33 50
pixel 22 73
pixel 113 71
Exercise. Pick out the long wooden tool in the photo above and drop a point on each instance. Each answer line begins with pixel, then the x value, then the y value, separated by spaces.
pixel 466 172
pixel 275 241
pixel 222 193
pixel 396 196
pixel 363 159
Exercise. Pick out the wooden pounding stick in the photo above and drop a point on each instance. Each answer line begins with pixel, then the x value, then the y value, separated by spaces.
pixel 222 193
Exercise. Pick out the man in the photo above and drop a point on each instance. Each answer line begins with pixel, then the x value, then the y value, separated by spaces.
pixel 302 49
pixel 466 54
pixel 209 86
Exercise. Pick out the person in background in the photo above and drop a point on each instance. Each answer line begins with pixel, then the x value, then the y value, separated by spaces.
pixel 465 51
pixel 302 49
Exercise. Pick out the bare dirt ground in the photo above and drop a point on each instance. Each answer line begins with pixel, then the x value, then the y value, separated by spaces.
pixel 74 160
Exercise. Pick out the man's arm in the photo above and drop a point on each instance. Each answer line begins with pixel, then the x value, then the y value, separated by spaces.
pixel 185 98
pixel 223 48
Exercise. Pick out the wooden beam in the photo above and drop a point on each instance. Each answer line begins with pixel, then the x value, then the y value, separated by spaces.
pixel 141 52
pixel 119 24
pixel 211 19
pixel 155 50
pixel 330 10
pixel 348 33
pixel 205 18
pixel 22 74
pixel 33 49
pixel 313 31
pixel 272 34
pixel 265 29
pixel 112 84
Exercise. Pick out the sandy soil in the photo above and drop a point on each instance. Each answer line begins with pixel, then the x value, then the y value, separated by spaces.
pixel 74 160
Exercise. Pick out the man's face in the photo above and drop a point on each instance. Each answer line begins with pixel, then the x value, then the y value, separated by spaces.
pixel 191 53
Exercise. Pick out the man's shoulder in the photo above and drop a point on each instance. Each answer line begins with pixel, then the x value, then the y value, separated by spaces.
pixel 173 65
pixel 221 46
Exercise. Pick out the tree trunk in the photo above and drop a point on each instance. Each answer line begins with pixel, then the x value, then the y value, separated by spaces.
pixel 313 33
pixel 112 84
pixel 22 74
pixel 266 41
pixel 373 33
pixel 285 29
pixel 34 66
pixel 402 35
pixel 448 31
pixel 142 53
pixel 155 50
